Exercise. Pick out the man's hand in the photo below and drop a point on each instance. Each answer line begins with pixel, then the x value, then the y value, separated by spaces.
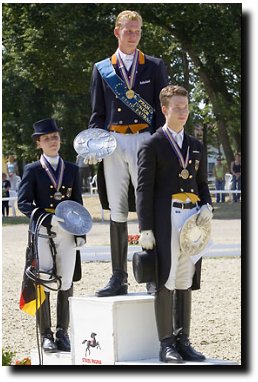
pixel 205 214
pixel 147 240
pixel 92 159
pixel 79 241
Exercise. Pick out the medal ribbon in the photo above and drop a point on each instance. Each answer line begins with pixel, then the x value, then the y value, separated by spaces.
pixel 56 181
pixel 176 148
pixel 128 80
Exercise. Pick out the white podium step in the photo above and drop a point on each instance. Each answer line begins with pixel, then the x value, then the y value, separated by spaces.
pixel 65 359
pixel 50 359
pixel 156 362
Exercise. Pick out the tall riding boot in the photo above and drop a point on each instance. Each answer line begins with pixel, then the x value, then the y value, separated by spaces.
pixel 164 321
pixel 117 284
pixel 44 322
pixel 63 318
pixel 182 317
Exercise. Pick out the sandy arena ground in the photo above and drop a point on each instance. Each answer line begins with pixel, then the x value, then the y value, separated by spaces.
pixel 216 311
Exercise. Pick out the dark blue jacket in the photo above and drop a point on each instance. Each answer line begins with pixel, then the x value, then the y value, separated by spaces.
pixel 158 180
pixel 36 189
pixel 151 77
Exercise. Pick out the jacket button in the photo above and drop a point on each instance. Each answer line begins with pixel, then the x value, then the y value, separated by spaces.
pixel 119 109
pixel 192 190
pixel 136 120
pixel 181 189
pixel 51 205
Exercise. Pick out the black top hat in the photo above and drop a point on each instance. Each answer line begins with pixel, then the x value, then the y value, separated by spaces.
pixel 45 126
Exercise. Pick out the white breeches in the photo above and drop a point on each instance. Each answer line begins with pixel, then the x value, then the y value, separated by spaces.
pixel 118 169
pixel 65 257
pixel 182 267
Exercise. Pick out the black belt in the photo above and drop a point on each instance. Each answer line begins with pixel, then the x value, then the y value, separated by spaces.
pixel 184 206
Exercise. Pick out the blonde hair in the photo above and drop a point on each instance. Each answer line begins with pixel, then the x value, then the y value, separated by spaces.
pixel 127 15
pixel 169 91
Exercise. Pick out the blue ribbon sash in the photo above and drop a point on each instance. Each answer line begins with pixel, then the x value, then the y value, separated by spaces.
pixel 117 85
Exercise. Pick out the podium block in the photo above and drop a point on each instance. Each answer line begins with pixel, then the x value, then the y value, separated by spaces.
pixel 107 330
pixel 51 359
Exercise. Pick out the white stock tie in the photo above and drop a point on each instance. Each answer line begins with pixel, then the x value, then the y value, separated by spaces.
pixel 178 139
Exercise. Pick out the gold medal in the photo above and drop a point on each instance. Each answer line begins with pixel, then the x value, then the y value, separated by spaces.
pixel 130 94
pixel 184 173
pixel 57 195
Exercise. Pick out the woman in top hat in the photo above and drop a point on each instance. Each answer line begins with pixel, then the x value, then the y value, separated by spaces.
pixel 46 183
pixel 172 186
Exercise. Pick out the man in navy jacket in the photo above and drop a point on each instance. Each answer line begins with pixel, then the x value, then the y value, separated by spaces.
pixel 172 186
pixel 131 111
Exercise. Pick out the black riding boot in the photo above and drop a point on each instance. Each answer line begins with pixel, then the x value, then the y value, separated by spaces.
pixel 62 338
pixel 44 323
pixel 182 303
pixel 117 284
pixel 164 320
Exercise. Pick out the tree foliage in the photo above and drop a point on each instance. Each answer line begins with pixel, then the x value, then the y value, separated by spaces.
pixel 49 51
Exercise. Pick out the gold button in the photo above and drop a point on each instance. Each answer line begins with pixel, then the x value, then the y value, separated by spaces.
pixel 119 109
pixel 51 196
pixel 62 196
pixel 51 186
pixel 192 190
pixel 181 189
pixel 63 186
pixel 190 161
pixel 51 205
pixel 190 176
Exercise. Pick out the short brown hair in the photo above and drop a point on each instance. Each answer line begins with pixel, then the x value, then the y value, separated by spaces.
pixel 169 91
pixel 127 15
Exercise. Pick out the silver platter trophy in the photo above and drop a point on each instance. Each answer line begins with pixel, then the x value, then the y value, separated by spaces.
pixel 194 238
pixel 97 142
pixel 77 219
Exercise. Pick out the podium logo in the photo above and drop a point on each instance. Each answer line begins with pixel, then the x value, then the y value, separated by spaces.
pixel 91 343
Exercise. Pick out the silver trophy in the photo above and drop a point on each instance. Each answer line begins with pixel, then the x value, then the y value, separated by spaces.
pixel 194 238
pixel 94 142
pixel 77 219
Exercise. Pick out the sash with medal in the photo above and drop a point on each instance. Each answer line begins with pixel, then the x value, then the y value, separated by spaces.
pixel 184 174
pixel 55 180
pixel 123 89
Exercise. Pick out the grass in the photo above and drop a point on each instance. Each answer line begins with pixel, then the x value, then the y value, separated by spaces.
pixel 226 211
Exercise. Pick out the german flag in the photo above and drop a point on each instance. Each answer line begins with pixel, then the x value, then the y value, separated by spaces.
pixel 32 295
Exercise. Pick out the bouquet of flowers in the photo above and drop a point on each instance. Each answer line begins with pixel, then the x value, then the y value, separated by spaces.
pixel 133 239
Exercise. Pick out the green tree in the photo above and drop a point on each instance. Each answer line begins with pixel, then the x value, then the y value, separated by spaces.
pixel 50 50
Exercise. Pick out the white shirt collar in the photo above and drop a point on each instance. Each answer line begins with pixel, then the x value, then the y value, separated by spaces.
pixel 52 160
pixel 179 137
pixel 126 58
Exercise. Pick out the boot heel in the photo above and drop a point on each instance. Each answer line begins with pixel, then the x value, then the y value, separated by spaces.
pixel 123 290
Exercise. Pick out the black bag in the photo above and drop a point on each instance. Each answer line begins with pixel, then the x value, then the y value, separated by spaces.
pixel 144 266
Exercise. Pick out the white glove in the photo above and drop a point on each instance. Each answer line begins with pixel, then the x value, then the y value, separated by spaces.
pixel 205 214
pixel 79 241
pixel 55 221
pixel 147 240
pixel 92 159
